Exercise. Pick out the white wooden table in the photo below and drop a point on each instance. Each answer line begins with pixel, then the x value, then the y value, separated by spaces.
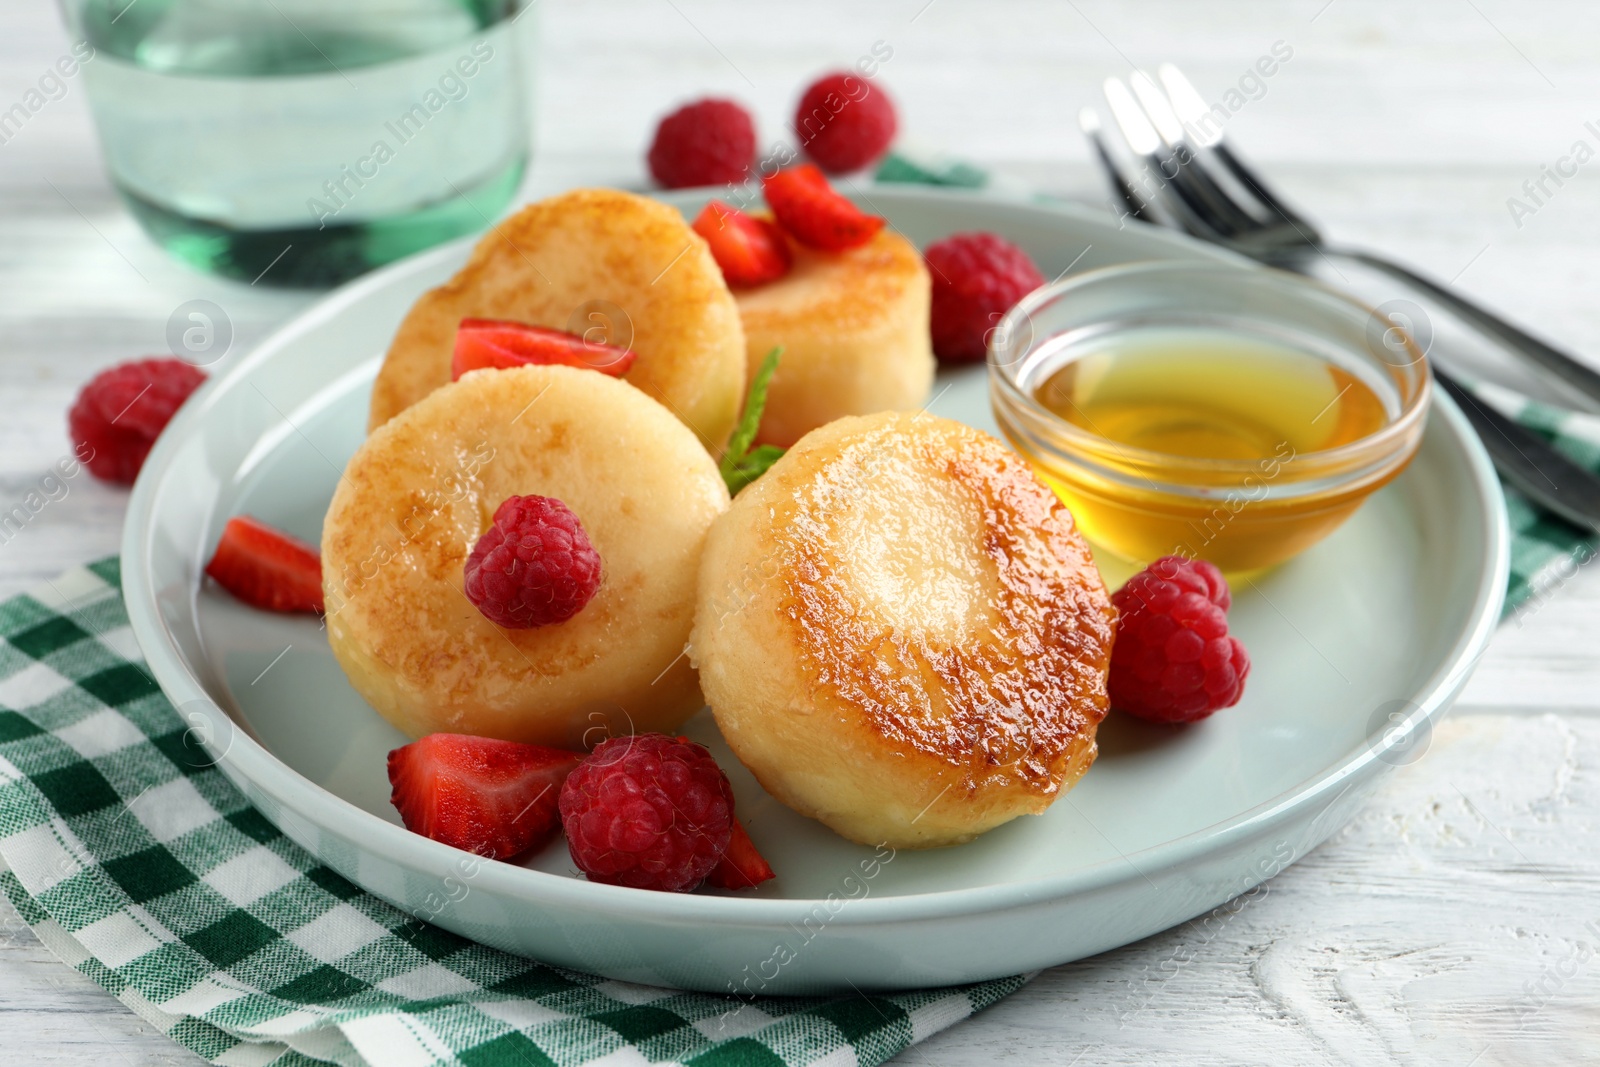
pixel 1457 921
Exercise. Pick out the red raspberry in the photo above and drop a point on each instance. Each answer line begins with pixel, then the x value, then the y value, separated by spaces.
pixel 121 412
pixel 533 566
pixel 844 123
pixel 651 812
pixel 977 277
pixel 708 142
pixel 1173 660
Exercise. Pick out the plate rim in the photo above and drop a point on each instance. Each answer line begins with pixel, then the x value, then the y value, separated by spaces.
pixel 248 763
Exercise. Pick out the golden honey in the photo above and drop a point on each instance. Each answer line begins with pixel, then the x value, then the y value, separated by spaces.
pixel 1233 419
pixel 1211 396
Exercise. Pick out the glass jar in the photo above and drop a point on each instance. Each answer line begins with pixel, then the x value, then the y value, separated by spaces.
pixel 301 142
pixel 1231 413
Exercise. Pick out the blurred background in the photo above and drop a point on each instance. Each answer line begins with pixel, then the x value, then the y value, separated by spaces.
pixel 1454 103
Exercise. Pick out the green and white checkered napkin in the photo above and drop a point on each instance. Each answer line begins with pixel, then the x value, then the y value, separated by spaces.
pixel 1545 550
pixel 139 864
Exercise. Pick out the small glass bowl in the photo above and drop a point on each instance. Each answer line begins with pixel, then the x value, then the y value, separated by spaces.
pixel 1243 515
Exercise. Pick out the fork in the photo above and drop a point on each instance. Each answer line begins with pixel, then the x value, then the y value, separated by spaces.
pixel 1166 129
pixel 1182 190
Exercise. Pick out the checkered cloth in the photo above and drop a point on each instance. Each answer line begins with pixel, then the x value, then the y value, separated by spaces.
pixel 135 861
pixel 1545 550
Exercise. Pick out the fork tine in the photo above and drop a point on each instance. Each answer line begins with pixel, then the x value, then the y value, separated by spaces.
pixel 1089 123
pixel 1172 188
pixel 1156 108
pixel 1191 108
pixel 1236 219
pixel 1189 105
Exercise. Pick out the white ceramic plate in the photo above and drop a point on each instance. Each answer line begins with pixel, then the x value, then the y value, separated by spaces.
pixel 1377 626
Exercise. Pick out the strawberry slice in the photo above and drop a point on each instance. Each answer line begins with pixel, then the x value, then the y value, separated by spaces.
pixel 493 343
pixel 741 867
pixel 267 568
pixel 749 250
pixel 493 798
pixel 806 205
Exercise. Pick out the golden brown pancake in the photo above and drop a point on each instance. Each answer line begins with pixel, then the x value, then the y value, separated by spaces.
pixel 423 488
pixel 902 633
pixel 625 266
pixel 854 329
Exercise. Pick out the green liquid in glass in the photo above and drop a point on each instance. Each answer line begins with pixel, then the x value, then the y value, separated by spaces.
pixel 302 142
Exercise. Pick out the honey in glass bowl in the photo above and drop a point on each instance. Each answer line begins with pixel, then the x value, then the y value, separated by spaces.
pixel 1229 413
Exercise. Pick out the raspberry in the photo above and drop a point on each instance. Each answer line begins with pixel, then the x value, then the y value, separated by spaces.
pixel 121 412
pixel 533 566
pixel 844 123
pixel 1173 660
pixel 708 142
pixel 651 812
pixel 977 277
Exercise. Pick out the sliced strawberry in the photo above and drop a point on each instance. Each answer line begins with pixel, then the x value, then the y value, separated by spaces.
pixel 493 343
pixel 267 568
pixel 806 205
pixel 493 798
pixel 749 250
pixel 741 867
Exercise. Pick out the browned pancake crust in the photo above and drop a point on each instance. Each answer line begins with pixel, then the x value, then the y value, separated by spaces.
pixel 424 487
pixel 902 633
pixel 601 250
pixel 854 328
pixel 1013 711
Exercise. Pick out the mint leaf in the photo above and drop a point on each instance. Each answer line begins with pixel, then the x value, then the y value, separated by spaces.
pixel 753 466
pixel 740 466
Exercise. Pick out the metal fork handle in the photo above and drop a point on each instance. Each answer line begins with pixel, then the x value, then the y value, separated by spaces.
pixel 1576 374
pixel 1528 461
